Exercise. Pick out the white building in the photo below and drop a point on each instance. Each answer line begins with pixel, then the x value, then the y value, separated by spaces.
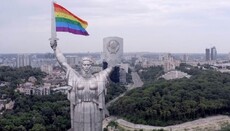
pixel 28 88
pixel 175 74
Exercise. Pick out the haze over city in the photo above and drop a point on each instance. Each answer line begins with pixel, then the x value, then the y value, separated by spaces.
pixel 146 26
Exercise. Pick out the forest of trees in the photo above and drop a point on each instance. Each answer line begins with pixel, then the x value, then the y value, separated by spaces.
pixel 34 113
pixel 164 102
pixel 113 91
pixel 150 74
pixel 37 113
pixel 17 75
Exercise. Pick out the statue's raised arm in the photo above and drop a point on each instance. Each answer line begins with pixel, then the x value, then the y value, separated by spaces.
pixel 59 55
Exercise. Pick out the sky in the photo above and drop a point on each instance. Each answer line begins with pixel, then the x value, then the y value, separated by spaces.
pixel 170 26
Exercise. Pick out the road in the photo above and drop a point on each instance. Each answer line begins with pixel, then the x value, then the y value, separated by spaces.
pixel 212 123
pixel 137 82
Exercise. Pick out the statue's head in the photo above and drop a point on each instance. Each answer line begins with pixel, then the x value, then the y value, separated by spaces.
pixel 87 64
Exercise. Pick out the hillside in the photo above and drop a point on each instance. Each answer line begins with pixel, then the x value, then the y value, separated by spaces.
pixel 163 102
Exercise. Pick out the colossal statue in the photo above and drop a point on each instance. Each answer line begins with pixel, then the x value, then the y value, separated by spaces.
pixel 86 93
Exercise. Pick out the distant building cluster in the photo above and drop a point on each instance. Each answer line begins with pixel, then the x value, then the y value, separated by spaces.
pixel 211 54
pixel 29 88
pixel 167 61
pixel 47 69
pixel 113 53
pixel 170 63
pixel 56 78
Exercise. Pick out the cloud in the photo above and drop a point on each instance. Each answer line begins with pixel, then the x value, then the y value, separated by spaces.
pixel 153 23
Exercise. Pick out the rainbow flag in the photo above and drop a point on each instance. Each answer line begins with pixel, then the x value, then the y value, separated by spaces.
pixel 68 22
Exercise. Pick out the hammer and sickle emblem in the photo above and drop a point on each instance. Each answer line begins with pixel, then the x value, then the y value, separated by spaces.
pixel 113 46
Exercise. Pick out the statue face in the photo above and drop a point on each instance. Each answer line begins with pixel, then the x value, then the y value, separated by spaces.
pixel 86 66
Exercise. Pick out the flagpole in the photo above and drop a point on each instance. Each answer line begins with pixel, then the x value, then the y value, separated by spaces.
pixel 53 24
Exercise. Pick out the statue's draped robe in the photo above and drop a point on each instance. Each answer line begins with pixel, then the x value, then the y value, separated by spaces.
pixel 87 98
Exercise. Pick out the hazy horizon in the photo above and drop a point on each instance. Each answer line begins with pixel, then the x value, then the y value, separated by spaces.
pixel 15 53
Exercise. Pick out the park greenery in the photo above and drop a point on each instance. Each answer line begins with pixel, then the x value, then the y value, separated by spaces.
pixel 19 75
pixel 163 102
pixel 16 76
pixel 113 91
pixel 34 113
pixel 151 74
pixel 37 113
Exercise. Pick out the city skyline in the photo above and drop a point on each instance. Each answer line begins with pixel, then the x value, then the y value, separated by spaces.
pixel 146 26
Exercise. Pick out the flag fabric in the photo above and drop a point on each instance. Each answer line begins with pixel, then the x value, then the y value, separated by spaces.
pixel 68 22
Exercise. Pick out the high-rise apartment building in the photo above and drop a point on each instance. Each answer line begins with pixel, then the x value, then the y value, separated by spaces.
pixel 213 53
pixel 207 54
pixel 23 60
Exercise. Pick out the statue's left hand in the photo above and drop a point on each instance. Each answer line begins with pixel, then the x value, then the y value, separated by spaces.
pixel 53 44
